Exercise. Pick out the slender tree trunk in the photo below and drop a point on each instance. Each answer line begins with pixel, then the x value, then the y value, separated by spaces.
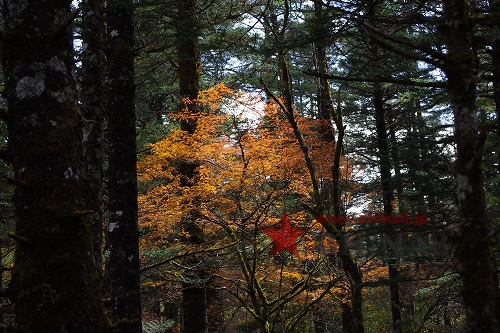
pixel 349 265
pixel 495 42
pixel 324 96
pixel 93 112
pixel 387 191
pixel 188 52
pixel 123 232
pixel 54 282
pixel 474 253
pixel 331 192
pixel 398 179
pixel 414 165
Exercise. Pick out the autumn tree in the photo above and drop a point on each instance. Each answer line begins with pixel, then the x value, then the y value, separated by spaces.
pixel 238 192
pixel 287 106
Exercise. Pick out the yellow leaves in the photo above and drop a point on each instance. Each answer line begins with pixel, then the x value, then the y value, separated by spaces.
pixel 212 97
pixel 154 284
pixel 244 163
pixel 293 275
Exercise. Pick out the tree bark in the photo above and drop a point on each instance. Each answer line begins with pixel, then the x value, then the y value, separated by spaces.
pixel 351 312
pixel 215 315
pixel 324 96
pixel 474 253
pixel 396 161
pixel 495 43
pixel 93 112
pixel 54 282
pixel 387 192
pixel 123 232
pixel 188 52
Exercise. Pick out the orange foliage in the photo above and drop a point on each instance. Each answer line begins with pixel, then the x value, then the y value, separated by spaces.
pixel 247 167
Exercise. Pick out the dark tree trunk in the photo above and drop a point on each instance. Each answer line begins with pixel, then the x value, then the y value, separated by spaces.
pixel 347 320
pixel 474 253
pixel 188 52
pixel 495 42
pixel 93 112
pixel 352 314
pixel 387 192
pixel 123 233
pixel 324 96
pixel 215 314
pixel 194 308
pixel 414 164
pixel 398 179
pixel 55 282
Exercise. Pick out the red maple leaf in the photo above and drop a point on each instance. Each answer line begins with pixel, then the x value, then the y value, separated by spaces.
pixel 285 237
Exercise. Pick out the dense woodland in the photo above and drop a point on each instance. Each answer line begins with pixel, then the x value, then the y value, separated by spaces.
pixel 145 144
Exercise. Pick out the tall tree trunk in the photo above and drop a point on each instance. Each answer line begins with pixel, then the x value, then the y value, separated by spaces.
pixel 123 232
pixel 474 252
pixel 54 282
pixel 387 192
pixel 93 112
pixel 188 52
pixel 349 265
pixel 324 96
pixel 331 192
pixel 215 316
pixel 495 41
pixel 398 181
pixel 414 163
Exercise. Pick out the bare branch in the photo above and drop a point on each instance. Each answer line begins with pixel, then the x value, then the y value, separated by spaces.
pixel 166 261
pixel 4 115
pixel 13 181
pixel 403 41
pixel 4 292
pixel 7 308
pixel 4 156
pixel 411 55
pixel 19 239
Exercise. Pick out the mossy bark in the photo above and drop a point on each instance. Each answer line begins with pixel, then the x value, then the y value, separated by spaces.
pixel 93 112
pixel 495 54
pixel 474 252
pixel 54 282
pixel 122 230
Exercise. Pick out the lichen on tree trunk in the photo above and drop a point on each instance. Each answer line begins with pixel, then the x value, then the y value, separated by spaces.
pixel 474 253
pixel 93 112
pixel 122 230
pixel 54 281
